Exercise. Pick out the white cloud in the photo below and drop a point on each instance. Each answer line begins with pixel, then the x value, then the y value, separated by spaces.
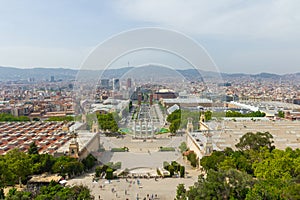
pixel 276 19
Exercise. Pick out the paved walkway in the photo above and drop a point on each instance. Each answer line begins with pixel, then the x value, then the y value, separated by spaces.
pixel 132 160
pixel 163 188
pixel 139 146
pixel 141 154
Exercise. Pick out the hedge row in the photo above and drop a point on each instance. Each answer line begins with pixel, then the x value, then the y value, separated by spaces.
pixel 173 168
pixel 166 149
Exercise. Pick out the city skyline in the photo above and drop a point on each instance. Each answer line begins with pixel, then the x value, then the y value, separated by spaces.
pixel 248 37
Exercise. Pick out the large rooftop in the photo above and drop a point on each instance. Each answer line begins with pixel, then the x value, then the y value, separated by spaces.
pixel 48 136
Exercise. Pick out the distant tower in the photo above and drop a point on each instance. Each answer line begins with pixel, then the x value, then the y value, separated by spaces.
pixel 52 79
pixel 202 126
pixel 129 83
pixel 65 128
pixel 209 144
pixel 189 126
pixel 95 127
pixel 202 117
pixel 116 84
pixel 83 118
pixel 74 146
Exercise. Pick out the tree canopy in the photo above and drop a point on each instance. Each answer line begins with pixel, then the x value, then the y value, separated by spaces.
pixel 107 122
pixel 255 172
pixel 179 118
pixel 53 191
pixel 64 118
pixel 250 114
pixel 10 118
pixel 280 114
pixel 255 141
pixel 16 166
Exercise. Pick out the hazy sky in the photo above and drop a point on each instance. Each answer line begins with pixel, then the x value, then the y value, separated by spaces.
pixel 241 36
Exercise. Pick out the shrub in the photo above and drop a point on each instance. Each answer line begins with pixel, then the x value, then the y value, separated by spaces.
pixel 109 173
pixel 117 165
pixel 175 165
pixel 183 147
pixel 182 171
pixel 166 149
pixel 166 165
pixel 171 170
pixel 193 159
pixel 89 162
pixel 158 172
pixel 117 150
pixel 100 169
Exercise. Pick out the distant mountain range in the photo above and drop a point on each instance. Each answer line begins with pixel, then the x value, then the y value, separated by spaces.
pixel 38 74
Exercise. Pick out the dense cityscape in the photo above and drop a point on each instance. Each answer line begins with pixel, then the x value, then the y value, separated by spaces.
pixel 148 114
pixel 138 129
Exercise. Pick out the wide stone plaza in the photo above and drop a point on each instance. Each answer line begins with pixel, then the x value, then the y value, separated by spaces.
pixel 143 156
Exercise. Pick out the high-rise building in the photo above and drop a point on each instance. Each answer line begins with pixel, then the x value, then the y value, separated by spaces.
pixel 104 83
pixel 129 84
pixel 116 84
pixel 52 79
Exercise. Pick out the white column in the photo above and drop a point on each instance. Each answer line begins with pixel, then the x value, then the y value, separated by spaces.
pixel 152 129
pixel 146 128
pixel 134 128
pixel 141 128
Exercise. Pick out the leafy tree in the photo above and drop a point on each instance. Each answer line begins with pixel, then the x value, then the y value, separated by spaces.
pixel 183 116
pixel 254 173
pixel 174 116
pixel 47 162
pixel 230 184
pixel 292 191
pixel 208 115
pixel 89 162
pixel 13 194
pixel 192 157
pixel 171 170
pixel 174 126
pixel 276 165
pixel 19 165
pixel 182 171
pixel 183 147
pixel 82 192
pixel 107 122
pixel 280 114
pixel 100 169
pixel 176 166
pixel 212 161
pixel 166 165
pixel 255 141
pixel 56 191
pixel 67 165
pixel 180 192
pixel 251 114
pixel 2 193
pixel 33 149
pixel 175 119
pixel 109 173
pixel 53 191
pixel 263 189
